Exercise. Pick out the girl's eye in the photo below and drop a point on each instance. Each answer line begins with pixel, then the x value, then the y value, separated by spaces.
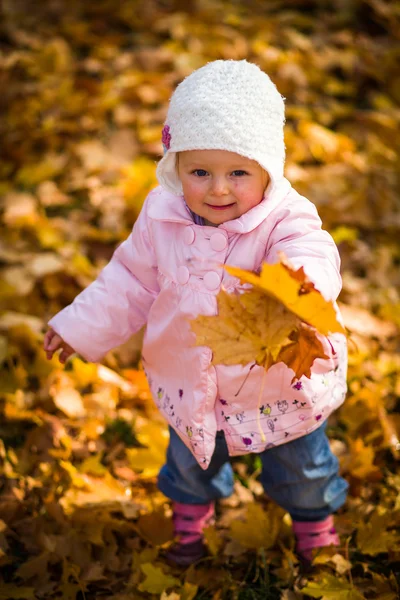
pixel 239 173
pixel 200 172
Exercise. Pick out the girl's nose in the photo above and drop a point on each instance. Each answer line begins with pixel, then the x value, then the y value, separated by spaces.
pixel 219 186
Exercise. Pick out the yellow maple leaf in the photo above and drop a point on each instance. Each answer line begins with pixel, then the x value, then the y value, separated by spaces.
pixel 375 536
pixel 156 580
pixel 296 292
pixel 97 492
pixel 84 374
pixel 93 465
pixel 330 555
pixel 148 555
pixel 360 461
pixel 151 457
pixel 252 327
pixel 260 528
pixel 330 587
pixel 249 327
pixel 77 480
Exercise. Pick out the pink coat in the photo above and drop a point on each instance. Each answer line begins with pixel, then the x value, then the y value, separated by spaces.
pixel 168 272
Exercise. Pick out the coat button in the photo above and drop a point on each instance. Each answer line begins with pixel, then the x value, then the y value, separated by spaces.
pixel 183 275
pixel 212 280
pixel 189 235
pixel 218 242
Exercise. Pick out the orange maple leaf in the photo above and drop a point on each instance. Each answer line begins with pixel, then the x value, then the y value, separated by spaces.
pixel 301 353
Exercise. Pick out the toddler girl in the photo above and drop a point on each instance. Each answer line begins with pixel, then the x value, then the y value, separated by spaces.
pixel 222 199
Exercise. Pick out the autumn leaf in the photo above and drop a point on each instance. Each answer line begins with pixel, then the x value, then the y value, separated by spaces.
pixel 330 555
pixel 97 492
pixel 374 536
pixel 137 179
pixel 156 580
pixel 36 565
pixel 259 529
pixel 264 325
pixel 285 572
pixel 156 528
pixel 171 596
pixel 70 588
pixel 252 327
pixel 363 406
pixel 296 293
pixel 69 401
pixel 360 461
pixel 93 466
pixel 187 592
pixel 84 374
pixel 148 555
pixel 248 328
pixel 20 209
pixel 10 590
pixel 330 587
pixel 385 588
pixel 149 459
pixel 324 144
pixel 213 539
pixel 301 353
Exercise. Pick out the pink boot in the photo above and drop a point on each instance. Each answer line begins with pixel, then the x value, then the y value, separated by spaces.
pixel 189 522
pixel 314 534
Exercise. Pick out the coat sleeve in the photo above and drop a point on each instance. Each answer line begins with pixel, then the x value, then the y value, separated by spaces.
pixel 117 303
pixel 298 234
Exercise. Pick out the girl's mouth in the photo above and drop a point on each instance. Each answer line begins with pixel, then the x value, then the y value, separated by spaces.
pixel 221 207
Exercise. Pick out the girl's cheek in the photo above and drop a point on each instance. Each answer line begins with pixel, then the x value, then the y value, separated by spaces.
pixel 243 189
pixel 197 188
pixel 194 193
pixel 250 197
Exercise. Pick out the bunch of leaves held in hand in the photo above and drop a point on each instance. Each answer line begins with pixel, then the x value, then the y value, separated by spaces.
pixel 278 320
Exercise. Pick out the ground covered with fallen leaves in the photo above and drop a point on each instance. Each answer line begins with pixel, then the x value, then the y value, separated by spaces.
pixel 84 91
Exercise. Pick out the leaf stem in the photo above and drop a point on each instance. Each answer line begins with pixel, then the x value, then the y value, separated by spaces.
pixel 267 359
pixel 245 379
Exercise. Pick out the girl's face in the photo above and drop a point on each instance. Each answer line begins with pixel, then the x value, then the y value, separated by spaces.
pixel 219 185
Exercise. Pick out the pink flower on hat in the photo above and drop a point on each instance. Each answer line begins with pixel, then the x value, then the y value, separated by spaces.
pixel 166 137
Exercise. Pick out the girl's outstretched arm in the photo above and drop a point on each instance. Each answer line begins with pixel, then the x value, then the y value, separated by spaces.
pixel 117 303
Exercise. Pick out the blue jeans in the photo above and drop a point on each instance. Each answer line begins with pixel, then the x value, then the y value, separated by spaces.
pixel 301 476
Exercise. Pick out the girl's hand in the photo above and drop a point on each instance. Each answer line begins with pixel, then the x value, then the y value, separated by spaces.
pixel 53 342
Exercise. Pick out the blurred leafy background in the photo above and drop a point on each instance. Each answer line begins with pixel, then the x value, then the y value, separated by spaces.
pixel 84 94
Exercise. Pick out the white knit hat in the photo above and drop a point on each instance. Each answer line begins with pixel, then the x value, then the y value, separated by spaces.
pixel 225 105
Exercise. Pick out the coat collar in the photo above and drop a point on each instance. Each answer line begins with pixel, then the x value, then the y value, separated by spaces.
pixel 168 207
